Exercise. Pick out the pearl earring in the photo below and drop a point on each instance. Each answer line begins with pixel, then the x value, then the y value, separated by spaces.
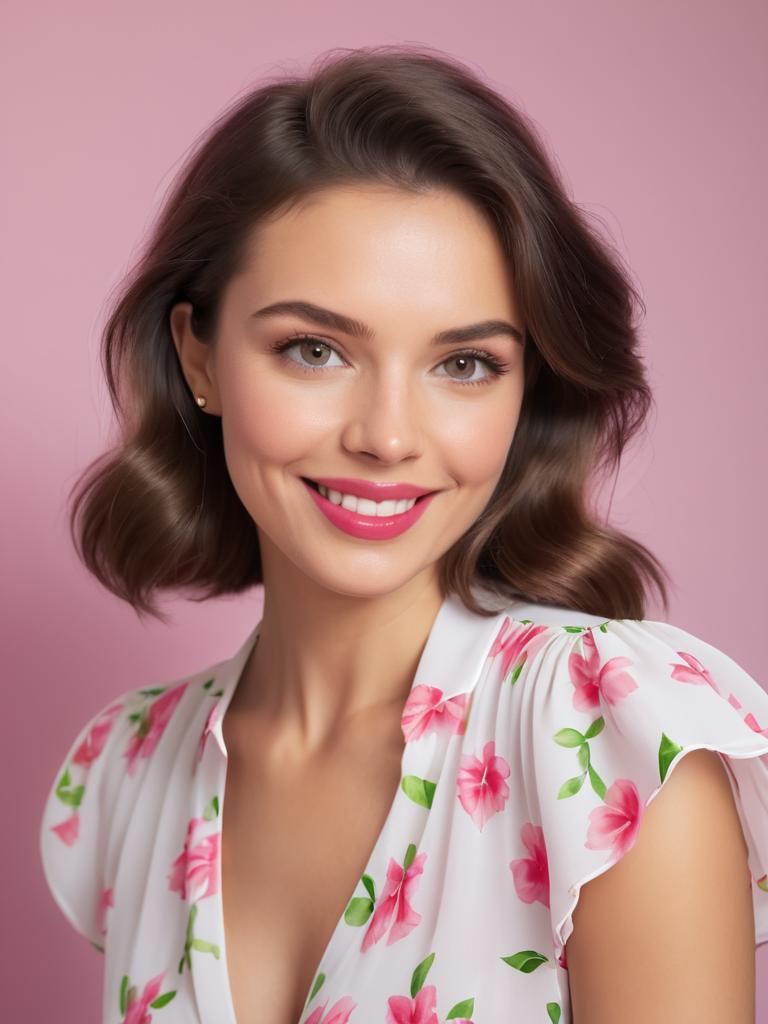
pixel 200 401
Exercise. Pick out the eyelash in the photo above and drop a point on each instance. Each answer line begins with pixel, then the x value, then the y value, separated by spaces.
pixel 496 367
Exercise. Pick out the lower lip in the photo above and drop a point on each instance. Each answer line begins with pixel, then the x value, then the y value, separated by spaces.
pixel 369 527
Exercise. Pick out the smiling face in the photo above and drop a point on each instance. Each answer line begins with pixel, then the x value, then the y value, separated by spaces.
pixel 304 394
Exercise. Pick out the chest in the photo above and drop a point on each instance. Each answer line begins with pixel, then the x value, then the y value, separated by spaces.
pixel 294 844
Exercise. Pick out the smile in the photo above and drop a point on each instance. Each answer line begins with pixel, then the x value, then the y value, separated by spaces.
pixel 365 518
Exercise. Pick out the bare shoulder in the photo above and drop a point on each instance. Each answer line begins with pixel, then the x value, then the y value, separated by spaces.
pixel 650 935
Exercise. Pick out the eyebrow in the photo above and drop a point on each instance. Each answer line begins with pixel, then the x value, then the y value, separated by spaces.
pixel 357 329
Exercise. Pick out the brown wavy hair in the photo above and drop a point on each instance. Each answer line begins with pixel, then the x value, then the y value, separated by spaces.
pixel 158 511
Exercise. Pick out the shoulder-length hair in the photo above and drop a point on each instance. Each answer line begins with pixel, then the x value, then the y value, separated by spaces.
pixel 158 511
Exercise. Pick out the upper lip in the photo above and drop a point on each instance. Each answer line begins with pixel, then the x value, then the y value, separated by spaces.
pixel 370 488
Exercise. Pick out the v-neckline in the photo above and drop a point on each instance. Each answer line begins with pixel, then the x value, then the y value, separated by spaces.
pixel 446 626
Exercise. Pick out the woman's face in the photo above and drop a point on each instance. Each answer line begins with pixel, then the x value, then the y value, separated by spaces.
pixel 390 405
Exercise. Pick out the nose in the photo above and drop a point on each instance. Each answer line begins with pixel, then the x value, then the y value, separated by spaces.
pixel 384 418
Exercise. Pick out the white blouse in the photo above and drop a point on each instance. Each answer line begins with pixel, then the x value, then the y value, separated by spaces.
pixel 534 740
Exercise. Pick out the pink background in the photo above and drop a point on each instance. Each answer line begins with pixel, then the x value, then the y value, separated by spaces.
pixel 656 114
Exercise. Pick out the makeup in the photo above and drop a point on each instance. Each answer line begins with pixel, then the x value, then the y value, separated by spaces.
pixel 369 527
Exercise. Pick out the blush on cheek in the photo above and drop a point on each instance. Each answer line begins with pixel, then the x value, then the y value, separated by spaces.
pixel 263 424
pixel 476 449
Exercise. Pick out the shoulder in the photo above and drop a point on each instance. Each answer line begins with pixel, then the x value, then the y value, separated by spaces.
pixel 128 745
pixel 683 884
pixel 619 718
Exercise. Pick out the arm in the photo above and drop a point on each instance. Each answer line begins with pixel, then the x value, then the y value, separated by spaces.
pixel 668 932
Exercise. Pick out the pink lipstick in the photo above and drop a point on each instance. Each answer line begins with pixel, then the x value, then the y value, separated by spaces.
pixel 369 527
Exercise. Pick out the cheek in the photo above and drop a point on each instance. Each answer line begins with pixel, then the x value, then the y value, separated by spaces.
pixel 267 422
pixel 475 440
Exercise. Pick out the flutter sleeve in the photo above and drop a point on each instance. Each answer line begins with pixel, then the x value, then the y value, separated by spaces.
pixel 614 709
pixel 80 817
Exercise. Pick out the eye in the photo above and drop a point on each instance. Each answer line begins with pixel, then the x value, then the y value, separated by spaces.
pixel 471 357
pixel 313 348
pixel 309 347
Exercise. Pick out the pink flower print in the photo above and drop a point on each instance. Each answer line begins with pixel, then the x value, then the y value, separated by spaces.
pixel 593 682
pixel 193 874
pixel 421 1010
pixel 521 638
pixel 614 825
pixel 210 722
pixel 69 829
pixel 151 728
pixel 93 744
pixel 692 672
pixel 531 874
pixel 481 788
pixel 395 901
pixel 425 709
pixel 753 724
pixel 106 900
pixel 137 1012
pixel 339 1013
pixel 749 718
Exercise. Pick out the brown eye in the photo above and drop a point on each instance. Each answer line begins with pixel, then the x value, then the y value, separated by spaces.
pixel 313 349
pixel 463 361
pixel 306 352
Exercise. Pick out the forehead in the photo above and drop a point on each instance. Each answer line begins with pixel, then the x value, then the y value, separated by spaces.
pixel 381 247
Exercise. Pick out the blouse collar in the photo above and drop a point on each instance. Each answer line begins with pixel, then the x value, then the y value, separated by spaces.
pixel 456 649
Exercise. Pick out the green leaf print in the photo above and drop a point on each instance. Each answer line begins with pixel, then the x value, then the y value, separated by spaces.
pixel 527 960
pixel 97 946
pixel 318 984
pixel 359 909
pixel 153 691
pixel 668 751
pixel 212 810
pixel 419 975
pixel 370 886
pixel 410 855
pixel 191 943
pixel 70 797
pixel 518 668
pixel 575 629
pixel 595 728
pixel 597 783
pixel 572 738
pixel 123 997
pixel 162 1000
pixel 205 947
pixel 421 791
pixel 209 683
pixel 762 883
pixel 464 1009
pixel 554 1011
pixel 569 737
pixel 570 787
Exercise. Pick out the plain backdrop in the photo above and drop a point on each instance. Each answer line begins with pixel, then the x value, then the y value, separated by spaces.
pixel 655 114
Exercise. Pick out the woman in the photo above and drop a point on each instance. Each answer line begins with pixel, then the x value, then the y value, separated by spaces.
pixel 371 358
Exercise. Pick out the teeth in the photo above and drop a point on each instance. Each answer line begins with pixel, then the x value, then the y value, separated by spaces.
pixel 365 506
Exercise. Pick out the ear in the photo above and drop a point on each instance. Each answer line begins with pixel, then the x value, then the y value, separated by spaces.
pixel 195 357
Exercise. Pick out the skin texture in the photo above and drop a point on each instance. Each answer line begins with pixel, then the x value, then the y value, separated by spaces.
pixel 392 408
pixel 667 933
pixel 313 727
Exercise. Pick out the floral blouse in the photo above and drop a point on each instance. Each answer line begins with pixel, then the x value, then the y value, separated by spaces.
pixel 534 741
